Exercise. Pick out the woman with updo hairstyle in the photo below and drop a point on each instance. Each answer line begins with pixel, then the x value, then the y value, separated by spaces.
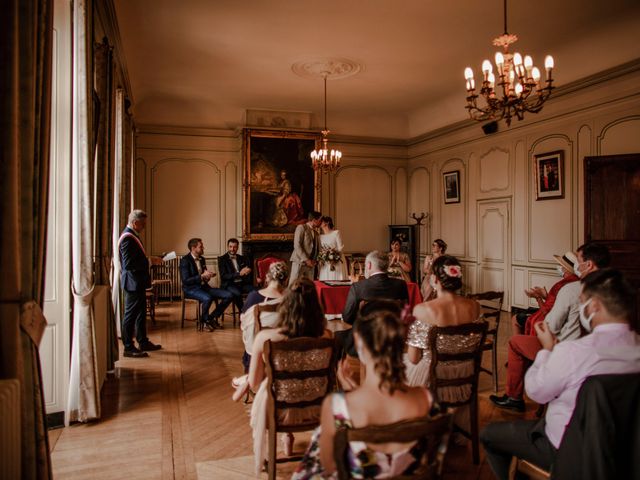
pixel 276 281
pixel 331 262
pixel 438 248
pixel 446 310
pixel 300 315
pixel 382 399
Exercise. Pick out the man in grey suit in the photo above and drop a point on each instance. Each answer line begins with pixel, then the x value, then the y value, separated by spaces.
pixel 306 246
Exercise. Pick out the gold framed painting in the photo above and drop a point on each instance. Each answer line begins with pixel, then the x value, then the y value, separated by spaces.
pixel 280 187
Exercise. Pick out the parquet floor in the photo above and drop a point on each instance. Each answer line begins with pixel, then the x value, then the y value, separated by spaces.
pixel 171 416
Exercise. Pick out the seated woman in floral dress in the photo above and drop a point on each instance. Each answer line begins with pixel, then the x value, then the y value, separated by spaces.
pixel 382 399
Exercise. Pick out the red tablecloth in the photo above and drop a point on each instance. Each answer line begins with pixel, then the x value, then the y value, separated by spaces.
pixel 333 299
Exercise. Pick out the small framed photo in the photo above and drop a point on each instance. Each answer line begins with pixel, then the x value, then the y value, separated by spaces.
pixel 451 186
pixel 549 175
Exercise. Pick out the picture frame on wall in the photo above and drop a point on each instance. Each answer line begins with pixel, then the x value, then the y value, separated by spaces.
pixel 549 175
pixel 280 187
pixel 451 186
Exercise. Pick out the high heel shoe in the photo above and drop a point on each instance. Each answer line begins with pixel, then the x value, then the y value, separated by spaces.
pixel 287 443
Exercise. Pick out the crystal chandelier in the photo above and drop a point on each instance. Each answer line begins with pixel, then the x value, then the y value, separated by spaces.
pixel 521 91
pixel 324 159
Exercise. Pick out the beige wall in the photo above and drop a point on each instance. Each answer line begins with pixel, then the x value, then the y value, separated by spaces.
pixel 190 181
pixel 599 120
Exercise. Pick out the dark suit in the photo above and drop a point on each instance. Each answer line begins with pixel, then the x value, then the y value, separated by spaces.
pixel 194 287
pixel 134 279
pixel 231 280
pixel 377 286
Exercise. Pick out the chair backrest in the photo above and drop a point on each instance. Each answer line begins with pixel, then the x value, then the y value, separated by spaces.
pixel 491 304
pixel 433 431
pixel 300 373
pixel 262 264
pixel 456 354
pixel 261 309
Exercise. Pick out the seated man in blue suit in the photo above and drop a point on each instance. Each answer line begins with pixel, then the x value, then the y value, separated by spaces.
pixel 195 283
pixel 235 274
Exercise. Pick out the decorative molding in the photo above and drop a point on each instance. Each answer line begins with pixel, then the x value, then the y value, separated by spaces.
pixel 333 68
pixel 609 126
pixel 568 173
pixel 149 129
pixel 277 119
pixel 508 169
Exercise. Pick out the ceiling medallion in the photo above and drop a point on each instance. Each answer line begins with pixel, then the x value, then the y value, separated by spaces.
pixel 331 68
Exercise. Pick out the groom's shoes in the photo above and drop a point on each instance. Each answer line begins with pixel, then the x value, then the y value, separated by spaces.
pixel 508 403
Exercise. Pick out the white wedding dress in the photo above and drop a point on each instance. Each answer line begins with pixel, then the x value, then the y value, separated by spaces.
pixel 333 240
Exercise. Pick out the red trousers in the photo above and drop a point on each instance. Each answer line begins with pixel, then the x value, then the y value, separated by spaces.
pixel 522 350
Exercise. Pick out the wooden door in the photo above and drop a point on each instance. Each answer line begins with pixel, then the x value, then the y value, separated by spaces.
pixel 612 211
pixel 494 248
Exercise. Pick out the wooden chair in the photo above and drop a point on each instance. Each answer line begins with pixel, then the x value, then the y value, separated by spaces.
pixel 161 281
pixel 434 430
pixel 300 373
pixel 184 301
pixel 458 347
pixel 491 303
pixel 524 467
pixel 150 298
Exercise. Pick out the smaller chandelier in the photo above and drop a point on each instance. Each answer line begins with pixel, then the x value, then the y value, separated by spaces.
pixel 324 159
pixel 521 87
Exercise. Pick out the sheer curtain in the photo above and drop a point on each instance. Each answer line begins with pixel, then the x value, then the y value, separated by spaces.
pixel 84 395
pixel 26 30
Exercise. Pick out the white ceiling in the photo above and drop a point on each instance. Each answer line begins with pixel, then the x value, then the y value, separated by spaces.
pixel 202 63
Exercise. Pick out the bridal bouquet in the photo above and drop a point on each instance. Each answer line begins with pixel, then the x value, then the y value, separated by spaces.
pixel 329 255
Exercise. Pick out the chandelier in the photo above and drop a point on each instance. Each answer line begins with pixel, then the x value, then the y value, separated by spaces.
pixel 324 159
pixel 521 87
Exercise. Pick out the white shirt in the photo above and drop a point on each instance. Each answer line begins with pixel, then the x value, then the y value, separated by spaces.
pixel 556 376
pixel 564 318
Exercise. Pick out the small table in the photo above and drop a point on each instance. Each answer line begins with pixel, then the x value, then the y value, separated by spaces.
pixel 334 298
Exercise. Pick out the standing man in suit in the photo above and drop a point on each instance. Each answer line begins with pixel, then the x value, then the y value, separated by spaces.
pixel 195 283
pixel 135 279
pixel 306 246
pixel 376 285
pixel 235 273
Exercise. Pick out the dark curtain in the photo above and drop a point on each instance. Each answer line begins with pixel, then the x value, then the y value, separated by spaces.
pixel 26 30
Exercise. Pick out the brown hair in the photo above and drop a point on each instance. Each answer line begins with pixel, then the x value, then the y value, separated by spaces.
pixel 379 327
pixel 193 242
pixel 449 283
pixel 442 245
pixel 300 312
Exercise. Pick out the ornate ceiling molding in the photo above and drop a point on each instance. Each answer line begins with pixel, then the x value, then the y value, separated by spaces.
pixel 333 68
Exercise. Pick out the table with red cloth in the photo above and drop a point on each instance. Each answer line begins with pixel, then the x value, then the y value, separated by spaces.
pixel 334 298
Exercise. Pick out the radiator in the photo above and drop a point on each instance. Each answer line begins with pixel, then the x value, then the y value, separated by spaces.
pixel 170 270
pixel 9 428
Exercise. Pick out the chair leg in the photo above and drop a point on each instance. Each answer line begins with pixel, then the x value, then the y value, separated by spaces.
pixel 182 316
pixel 233 314
pixel 271 462
pixel 494 360
pixel 199 321
pixel 475 438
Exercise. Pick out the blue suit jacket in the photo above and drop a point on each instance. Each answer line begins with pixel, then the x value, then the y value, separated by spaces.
pixel 189 272
pixel 134 276
pixel 228 274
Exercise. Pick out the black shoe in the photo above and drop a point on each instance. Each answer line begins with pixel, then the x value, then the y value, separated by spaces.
pixel 214 321
pixel 209 326
pixel 149 347
pixel 508 403
pixel 133 352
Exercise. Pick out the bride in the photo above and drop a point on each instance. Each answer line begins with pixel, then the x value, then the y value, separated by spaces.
pixel 330 239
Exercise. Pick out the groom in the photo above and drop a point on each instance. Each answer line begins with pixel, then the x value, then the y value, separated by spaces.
pixel 306 245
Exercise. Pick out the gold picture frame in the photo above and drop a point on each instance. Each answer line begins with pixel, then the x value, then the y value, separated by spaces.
pixel 279 184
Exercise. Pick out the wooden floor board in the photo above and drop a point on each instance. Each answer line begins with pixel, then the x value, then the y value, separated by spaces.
pixel 171 415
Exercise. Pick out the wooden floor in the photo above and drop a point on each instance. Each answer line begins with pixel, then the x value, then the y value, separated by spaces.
pixel 171 415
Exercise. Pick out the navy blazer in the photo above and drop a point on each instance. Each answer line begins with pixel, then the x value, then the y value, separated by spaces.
pixel 134 276
pixel 228 273
pixel 189 271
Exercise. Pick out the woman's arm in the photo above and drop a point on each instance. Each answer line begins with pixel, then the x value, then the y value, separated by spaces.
pixel 405 263
pixel 327 434
pixel 256 367
pixel 414 354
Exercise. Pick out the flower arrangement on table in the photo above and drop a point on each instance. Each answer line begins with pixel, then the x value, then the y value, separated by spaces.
pixel 329 255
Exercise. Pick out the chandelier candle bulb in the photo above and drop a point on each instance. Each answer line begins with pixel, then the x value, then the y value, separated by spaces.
pixel 518 89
